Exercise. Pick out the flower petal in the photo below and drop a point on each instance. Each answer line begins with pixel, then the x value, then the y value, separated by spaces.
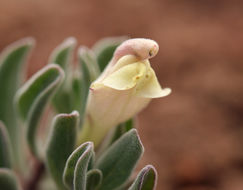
pixel 126 77
pixel 150 87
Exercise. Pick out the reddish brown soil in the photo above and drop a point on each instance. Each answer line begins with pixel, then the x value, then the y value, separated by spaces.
pixel 194 137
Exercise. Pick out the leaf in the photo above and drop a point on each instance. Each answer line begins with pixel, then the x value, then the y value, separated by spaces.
pixel 8 180
pixel 122 129
pixel 80 171
pixel 61 143
pixel 146 179
pixel 33 96
pixel 77 90
pixel 105 48
pixel 62 56
pixel 5 148
pixel 94 179
pixel 88 63
pixel 90 71
pixel 119 160
pixel 116 134
pixel 68 174
pixel 12 61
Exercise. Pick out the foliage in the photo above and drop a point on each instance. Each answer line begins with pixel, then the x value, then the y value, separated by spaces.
pixel 64 87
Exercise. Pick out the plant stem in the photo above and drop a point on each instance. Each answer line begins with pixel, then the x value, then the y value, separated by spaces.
pixel 32 183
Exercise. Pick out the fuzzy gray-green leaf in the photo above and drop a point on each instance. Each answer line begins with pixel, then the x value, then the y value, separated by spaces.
pixel 62 56
pixel 61 143
pixel 121 129
pixel 5 148
pixel 90 71
pixel 68 174
pixel 119 160
pixel 105 48
pixel 8 180
pixel 116 134
pixel 77 89
pixel 32 98
pixel 146 179
pixel 94 179
pixel 80 171
pixel 12 61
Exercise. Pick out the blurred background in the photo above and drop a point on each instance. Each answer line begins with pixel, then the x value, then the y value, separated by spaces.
pixel 194 137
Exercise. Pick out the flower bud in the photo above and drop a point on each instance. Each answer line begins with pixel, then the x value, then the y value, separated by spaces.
pixel 125 87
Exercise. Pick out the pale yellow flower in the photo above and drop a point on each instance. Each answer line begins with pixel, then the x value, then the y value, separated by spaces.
pixel 125 87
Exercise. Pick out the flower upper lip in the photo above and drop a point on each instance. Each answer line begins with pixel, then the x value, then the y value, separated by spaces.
pixel 153 51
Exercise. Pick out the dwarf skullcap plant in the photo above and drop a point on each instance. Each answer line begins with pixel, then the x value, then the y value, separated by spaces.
pixel 71 127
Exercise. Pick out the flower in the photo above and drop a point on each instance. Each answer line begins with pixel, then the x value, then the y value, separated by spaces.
pixel 125 87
